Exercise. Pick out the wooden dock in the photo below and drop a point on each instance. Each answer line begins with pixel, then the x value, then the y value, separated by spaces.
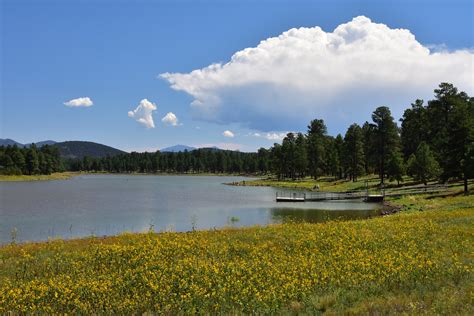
pixel 319 196
pixel 290 197
pixel 366 195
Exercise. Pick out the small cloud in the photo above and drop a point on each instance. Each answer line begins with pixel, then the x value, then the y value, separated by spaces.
pixel 170 119
pixel 143 114
pixel 79 102
pixel 275 136
pixel 228 134
pixel 272 135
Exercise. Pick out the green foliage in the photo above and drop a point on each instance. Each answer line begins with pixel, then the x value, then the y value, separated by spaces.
pixel 354 152
pixel 29 161
pixel 422 165
pixel 386 138
pixel 316 138
pixel 414 128
pixel 396 167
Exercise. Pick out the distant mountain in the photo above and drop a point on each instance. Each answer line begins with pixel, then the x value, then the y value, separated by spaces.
pixel 79 149
pixel 45 142
pixel 213 148
pixel 11 142
pixel 177 148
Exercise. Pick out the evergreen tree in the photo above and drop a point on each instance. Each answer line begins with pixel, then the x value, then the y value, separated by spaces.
pixel 354 152
pixel 339 149
pixel 32 162
pixel 315 142
pixel 288 148
pixel 386 138
pixel 438 114
pixel 414 128
pixel 301 157
pixel 368 133
pixel 396 168
pixel 422 165
pixel 460 141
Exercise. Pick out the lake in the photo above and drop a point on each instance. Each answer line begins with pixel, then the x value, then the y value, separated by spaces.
pixel 110 204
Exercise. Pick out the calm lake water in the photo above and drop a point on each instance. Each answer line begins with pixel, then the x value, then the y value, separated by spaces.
pixel 110 204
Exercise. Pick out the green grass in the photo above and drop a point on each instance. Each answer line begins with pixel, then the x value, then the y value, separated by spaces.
pixel 42 177
pixel 414 262
pixel 332 185
pixel 324 183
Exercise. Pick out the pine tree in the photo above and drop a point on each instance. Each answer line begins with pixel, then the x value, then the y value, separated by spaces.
pixel 460 138
pixel 354 151
pixel 301 157
pixel 386 138
pixel 396 168
pixel 414 128
pixel 32 162
pixel 422 165
pixel 315 142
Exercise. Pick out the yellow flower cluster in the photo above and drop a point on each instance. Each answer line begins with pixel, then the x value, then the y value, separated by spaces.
pixel 252 270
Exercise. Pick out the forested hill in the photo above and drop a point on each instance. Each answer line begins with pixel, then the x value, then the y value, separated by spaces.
pixel 81 149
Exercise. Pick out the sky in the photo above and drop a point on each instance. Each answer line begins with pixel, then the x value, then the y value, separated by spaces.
pixel 143 75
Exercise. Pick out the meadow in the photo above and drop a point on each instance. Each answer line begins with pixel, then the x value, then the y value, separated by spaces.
pixel 418 261
pixel 38 177
pixel 328 183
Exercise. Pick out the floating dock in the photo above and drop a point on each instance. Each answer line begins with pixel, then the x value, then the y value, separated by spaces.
pixel 365 195
pixel 327 196
pixel 290 197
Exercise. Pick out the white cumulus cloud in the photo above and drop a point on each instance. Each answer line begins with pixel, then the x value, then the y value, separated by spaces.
pixel 79 102
pixel 170 119
pixel 228 134
pixel 275 136
pixel 306 73
pixel 144 113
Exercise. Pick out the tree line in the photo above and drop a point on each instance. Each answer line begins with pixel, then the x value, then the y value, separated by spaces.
pixel 434 141
pixel 30 160
pixel 204 160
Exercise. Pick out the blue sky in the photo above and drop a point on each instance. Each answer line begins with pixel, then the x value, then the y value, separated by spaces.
pixel 115 51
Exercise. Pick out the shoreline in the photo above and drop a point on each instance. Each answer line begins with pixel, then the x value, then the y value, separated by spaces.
pixel 70 174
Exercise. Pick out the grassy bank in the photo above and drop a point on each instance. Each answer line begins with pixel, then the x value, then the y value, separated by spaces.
pixel 329 184
pixel 324 183
pixel 41 177
pixel 413 262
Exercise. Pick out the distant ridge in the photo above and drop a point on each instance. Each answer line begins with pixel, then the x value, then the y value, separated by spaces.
pixel 71 149
pixel 181 148
pixel 80 149
pixel 177 148
pixel 11 142
pixel 45 142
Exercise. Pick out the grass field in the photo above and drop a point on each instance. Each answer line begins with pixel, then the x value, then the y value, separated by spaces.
pixel 415 262
pixel 41 177
pixel 330 184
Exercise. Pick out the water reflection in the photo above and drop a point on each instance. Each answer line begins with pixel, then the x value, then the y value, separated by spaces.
pixel 286 215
